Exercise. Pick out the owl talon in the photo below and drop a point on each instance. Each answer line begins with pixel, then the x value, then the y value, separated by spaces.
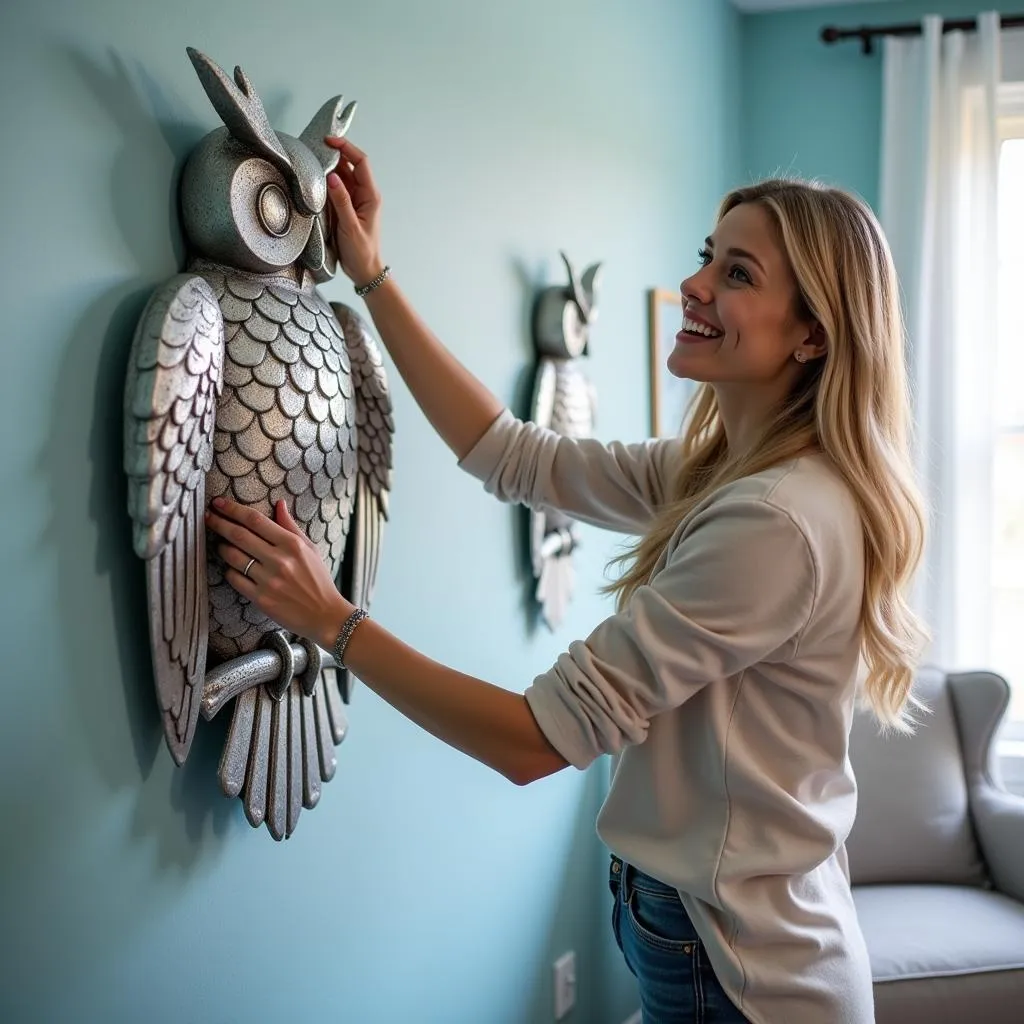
pixel 314 662
pixel 278 641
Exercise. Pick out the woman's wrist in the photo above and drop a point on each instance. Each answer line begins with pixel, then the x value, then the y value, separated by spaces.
pixel 367 272
pixel 362 290
pixel 339 649
pixel 335 616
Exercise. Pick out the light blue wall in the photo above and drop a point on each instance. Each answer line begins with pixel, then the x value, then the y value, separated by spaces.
pixel 815 110
pixel 424 888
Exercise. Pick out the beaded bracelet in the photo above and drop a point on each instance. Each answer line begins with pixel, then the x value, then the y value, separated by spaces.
pixel 338 650
pixel 365 289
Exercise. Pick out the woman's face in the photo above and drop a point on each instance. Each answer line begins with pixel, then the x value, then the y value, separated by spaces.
pixel 740 322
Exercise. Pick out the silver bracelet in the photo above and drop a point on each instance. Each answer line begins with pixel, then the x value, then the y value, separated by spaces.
pixel 345 634
pixel 365 289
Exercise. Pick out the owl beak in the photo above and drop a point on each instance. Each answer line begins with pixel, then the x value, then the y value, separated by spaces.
pixel 319 255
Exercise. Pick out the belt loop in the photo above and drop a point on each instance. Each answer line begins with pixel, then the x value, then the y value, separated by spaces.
pixel 627 882
pixel 619 868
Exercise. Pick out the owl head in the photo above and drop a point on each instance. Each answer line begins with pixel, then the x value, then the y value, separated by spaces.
pixel 254 198
pixel 563 314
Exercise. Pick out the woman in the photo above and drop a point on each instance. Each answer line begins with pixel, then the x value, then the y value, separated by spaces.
pixel 775 544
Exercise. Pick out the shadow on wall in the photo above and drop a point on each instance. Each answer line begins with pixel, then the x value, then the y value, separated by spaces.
pixel 530 284
pixel 582 889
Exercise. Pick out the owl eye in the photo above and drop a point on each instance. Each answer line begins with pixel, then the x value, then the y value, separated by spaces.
pixel 272 231
pixel 274 210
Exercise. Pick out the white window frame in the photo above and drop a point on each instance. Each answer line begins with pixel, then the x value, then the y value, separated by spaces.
pixel 1010 747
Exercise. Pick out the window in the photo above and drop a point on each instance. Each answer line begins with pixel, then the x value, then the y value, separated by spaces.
pixel 1007 624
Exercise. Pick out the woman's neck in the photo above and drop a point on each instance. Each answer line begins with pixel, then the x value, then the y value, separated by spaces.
pixel 745 411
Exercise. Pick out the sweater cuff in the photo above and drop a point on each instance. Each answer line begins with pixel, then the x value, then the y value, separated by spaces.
pixel 483 458
pixel 558 723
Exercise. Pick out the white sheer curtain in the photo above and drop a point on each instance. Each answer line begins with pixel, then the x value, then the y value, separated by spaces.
pixel 938 208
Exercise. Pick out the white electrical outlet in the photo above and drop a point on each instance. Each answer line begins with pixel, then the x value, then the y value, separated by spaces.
pixel 565 984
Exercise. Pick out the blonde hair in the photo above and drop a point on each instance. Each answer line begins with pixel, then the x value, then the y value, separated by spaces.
pixel 852 405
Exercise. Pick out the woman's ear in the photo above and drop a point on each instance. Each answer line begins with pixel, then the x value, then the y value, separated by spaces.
pixel 816 344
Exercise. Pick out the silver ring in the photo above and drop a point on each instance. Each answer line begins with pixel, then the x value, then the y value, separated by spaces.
pixel 245 571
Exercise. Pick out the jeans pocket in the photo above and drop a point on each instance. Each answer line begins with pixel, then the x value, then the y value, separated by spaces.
pixel 660 922
pixel 617 923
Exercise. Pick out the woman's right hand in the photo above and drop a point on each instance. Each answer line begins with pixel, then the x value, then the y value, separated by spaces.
pixel 355 200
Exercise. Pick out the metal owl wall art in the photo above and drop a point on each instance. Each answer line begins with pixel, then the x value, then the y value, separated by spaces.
pixel 243 381
pixel 564 401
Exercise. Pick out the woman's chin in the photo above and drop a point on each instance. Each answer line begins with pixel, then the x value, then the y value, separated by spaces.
pixel 681 364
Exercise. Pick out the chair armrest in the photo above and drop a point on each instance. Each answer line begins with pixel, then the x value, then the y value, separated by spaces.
pixel 981 699
pixel 999 820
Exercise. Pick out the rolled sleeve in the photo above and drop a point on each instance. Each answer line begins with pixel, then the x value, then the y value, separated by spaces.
pixel 615 486
pixel 490 450
pixel 737 588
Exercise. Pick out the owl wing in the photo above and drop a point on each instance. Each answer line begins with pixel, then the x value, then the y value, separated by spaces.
pixel 375 431
pixel 175 375
pixel 545 385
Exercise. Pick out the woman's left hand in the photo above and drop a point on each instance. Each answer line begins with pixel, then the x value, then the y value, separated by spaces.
pixel 287 580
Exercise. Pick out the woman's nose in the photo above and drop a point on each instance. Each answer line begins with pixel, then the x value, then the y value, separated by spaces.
pixel 696 286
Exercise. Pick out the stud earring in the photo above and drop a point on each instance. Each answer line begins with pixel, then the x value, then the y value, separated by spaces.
pixel 800 357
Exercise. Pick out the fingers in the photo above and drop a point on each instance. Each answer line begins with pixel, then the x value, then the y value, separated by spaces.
pixel 249 518
pixel 351 182
pixel 246 529
pixel 236 562
pixel 343 191
pixel 243 584
pixel 354 157
pixel 338 191
pixel 356 206
pixel 346 175
pixel 285 519
pixel 362 202
pixel 240 560
pixel 344 145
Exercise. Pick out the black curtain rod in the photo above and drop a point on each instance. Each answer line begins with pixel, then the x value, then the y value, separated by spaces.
pixel 830 34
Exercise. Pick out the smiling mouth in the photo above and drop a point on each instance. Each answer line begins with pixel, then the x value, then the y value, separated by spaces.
pixel 694 331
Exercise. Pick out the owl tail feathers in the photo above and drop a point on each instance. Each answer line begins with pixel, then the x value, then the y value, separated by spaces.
pixel 554 588
pixel 279 753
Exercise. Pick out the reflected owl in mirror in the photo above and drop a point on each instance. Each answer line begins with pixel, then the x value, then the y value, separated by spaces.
pixel 244 382
pixel 563 401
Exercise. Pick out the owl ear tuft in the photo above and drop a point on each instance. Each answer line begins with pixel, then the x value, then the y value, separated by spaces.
pixel 591 279
pixel 579 292
pixel 242 80
pixel 331 119
pixel 240 109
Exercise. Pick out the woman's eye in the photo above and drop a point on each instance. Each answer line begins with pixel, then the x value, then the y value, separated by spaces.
pixel 737 273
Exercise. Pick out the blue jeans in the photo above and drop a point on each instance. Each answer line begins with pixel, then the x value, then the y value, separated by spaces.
pixel 662 949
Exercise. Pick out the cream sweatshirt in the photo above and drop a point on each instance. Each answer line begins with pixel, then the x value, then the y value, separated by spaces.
pixel 727 686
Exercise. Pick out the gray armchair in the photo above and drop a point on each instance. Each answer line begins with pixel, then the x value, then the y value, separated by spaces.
pixel 937 860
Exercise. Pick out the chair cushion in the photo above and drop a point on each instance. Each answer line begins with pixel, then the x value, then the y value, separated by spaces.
pixel 942 953
pixel 913 823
